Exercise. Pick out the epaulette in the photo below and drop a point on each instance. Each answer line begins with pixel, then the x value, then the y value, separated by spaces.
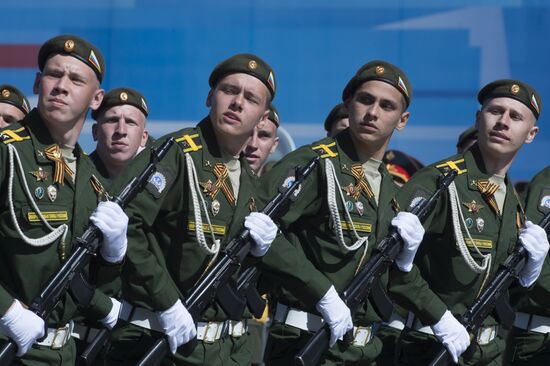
pixel 9 136
pixel 457 165
pixel 190 143
pixel 325 151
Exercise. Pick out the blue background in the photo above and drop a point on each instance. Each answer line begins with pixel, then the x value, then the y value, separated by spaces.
pixel 167 48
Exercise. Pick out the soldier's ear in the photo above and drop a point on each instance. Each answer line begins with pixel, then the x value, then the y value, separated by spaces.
pixel 531 135
pixel 275 144
pixel 97 99
pixel 144 138
pixel 403 121
pixel 94 131
pixel 478 117
pixel 209 99
pixel 36 85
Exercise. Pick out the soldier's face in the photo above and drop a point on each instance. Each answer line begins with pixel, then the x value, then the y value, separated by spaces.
pixel 375 111
pixel 66 88
pixel 237 104
pixel 263 142
pixel 9 114
pixel 504 125
pixel 120 132
pixel 338 126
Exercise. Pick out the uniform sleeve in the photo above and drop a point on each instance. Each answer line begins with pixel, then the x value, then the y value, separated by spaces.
pixel 6 299
pixel 411 290
pixel 286 262
pixel 144 266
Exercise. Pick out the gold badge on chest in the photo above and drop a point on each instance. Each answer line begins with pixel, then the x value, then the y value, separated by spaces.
pixel 40 174
pixel 473 206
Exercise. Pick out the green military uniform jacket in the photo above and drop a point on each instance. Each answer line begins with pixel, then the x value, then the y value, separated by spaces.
pixel 25 269
pixel 440 278
pixel 537 299
pixel 164 260
pixel 306 259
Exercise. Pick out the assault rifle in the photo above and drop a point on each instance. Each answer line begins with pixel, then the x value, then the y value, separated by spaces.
pixel 367 282
pixel 229 262
pixel 493 297
pixel 68 278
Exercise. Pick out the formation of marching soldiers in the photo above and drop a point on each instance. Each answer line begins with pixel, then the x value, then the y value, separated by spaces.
pixel 214 181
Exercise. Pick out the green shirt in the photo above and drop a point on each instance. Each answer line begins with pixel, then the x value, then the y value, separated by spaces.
pixel 25 269
pixel 440 278
pixel 164 259
pixel 306 259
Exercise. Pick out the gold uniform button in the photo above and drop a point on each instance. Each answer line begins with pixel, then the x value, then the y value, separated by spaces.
pixel 252 64
pixel 123 96
pixel 6 93
pixel 69 45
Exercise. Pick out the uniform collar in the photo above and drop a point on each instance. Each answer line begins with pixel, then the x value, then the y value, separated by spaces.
pixel 476 168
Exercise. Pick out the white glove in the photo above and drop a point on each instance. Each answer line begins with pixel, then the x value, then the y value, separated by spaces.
pixel 111 319
pixel 263 230
pixel 113 222
pixel 177 324
pixel 534 240
pixel 22 326
pixel 452 334
pixel 412 232
pixel 336 314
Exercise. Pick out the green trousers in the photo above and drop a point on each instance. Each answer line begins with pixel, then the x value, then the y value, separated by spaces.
pixel 389 337
pixel 285 341
pixel 45 356
pixel 416 348
pixel 528 348
pixel 130 342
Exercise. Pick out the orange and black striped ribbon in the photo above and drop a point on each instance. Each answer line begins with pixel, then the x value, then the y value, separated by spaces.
pixel 359 175
pixel 54 154
pixel 99 189
pixel 222 175
pixel 487 190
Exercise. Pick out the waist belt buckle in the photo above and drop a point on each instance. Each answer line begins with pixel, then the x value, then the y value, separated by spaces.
pixel 486 334
pixel 361 336
pixel 237 328
pixel 213 332
pixel 61 336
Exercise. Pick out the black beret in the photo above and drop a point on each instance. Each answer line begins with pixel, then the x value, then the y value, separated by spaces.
pixel 121 96
pixel 248 64
pixel 514 89
pixel 74 46
pixel 274 115
pixel 382 71
pixel 11 95
pixel 400 165
pixel 337 113
pixel 468 134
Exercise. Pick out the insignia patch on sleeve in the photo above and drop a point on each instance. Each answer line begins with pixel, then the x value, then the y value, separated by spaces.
pixel 544 200
pixel 159 181
pixel 419 196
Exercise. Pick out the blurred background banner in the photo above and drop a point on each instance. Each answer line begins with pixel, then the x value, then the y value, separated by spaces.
pixel 167 49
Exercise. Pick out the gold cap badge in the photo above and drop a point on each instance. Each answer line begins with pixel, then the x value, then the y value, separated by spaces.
pixel 6 93
pixel 123 96
pixel 514 89
pixel 252 64
pixel 379 70
pixel 69 45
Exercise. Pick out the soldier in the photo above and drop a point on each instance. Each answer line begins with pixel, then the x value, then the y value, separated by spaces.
pixel 401 166
pixel 529 343
pixel 337 120
pixel 52 197
pixel 120 134
pixel 332 228
pixel 13 105
pixel 466 139
pixel 469 233
pixel 263 142
pixel 196 202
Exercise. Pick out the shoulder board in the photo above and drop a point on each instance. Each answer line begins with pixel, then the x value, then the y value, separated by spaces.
pixel 326 150
pixel 17 135
pixel 457 165
pixel 189 142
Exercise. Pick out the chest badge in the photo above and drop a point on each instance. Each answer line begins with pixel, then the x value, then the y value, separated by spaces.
pixel 360 207
pixel 39 192
pixel 473 206
pixel 352 191
pixel 480 224
pixel 52 193
pixel 215 207
pixel 41 175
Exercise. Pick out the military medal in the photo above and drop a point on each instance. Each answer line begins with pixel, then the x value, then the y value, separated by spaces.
pixel 480 224
pixel 349 206
pixel 469 222
pixel 41 175
pixel 360 207
pixel 352 191
pixel 215 207
pixel 473 206
pixel 209 188
pixel 39 192
pixel 52 193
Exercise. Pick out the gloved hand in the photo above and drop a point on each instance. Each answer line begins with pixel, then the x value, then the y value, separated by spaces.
pixel 177 324
pixel 22 326
pixel 336 314
pixel 262 230
pixel 452 334
pixel 534 240
pixel 113 222
pixel 111 319
pixel 412 232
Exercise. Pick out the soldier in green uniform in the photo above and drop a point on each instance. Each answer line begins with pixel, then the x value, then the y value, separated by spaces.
pixel 469 233
pixel 330 231
pixel 13 105
pixel 194 204
pixel 43 172
pixel 529 343
pixel 263 142
pixel 466 139
pixel 120 132
pixel 337 120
